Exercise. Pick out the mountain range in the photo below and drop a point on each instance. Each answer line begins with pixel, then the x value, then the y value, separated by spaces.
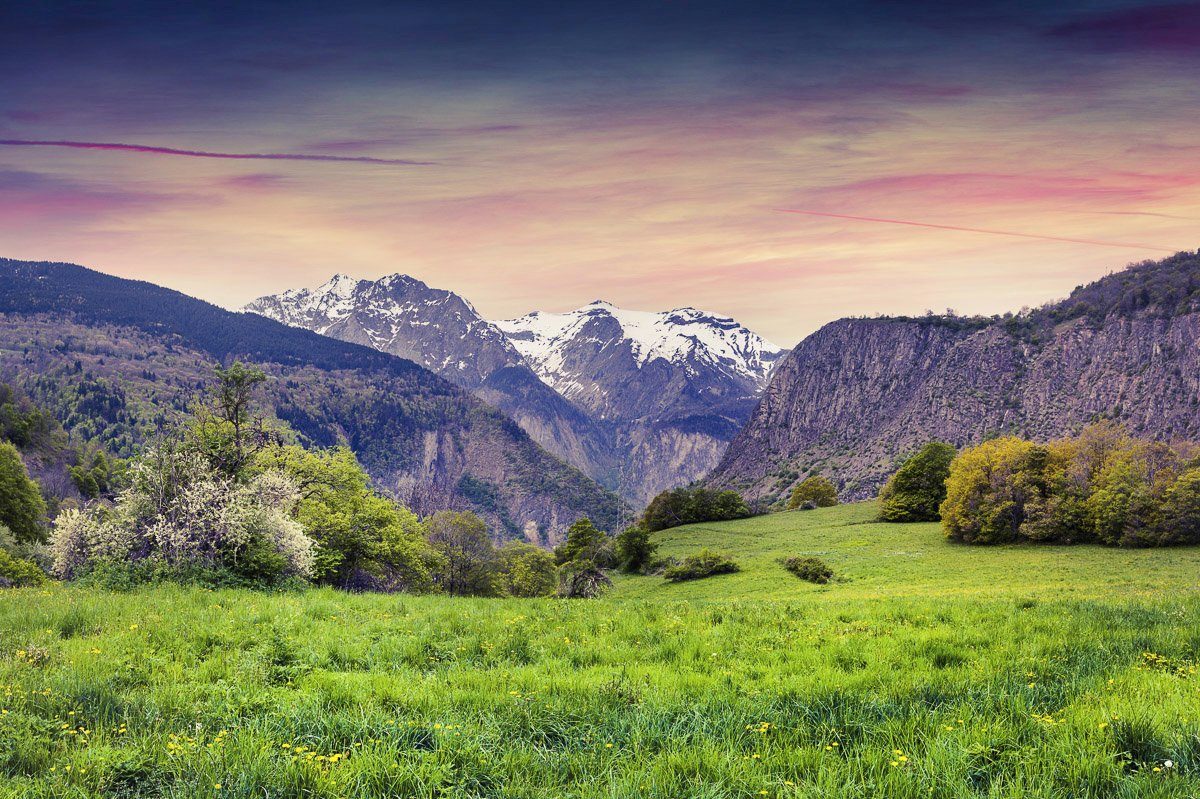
pixel 118 361
pixel 859 394
pixel 639 401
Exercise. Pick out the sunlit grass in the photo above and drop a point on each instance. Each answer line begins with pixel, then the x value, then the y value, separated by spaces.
pixel 930 670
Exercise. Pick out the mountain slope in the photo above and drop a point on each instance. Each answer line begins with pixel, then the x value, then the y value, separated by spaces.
pixel 125 357
pixel 443 332
pixel 859 394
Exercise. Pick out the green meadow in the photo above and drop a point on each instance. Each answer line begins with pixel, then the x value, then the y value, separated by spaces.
pixel 925 669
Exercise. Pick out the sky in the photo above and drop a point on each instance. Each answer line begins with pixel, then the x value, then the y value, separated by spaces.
pixel 784 163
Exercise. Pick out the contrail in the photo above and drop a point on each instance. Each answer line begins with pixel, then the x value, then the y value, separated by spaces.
pixel 146 148
pixel 977 230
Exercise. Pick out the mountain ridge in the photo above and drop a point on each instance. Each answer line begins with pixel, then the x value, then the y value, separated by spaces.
pixel 859 394
pixel 150 349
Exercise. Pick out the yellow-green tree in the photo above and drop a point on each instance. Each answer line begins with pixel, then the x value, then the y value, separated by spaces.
pixel 815 492
pixel 988 489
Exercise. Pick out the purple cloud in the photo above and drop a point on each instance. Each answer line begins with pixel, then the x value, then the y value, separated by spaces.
pixel 1173 27
pixel 152 150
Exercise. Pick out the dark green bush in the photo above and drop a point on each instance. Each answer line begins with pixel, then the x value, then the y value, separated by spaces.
pixel 705 563
pixel 814 570
pixel 918 488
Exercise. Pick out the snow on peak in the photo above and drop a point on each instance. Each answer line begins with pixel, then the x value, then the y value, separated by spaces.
pixel 684 336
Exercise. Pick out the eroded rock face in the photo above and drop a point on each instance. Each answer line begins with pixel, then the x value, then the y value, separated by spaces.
pixel 859 394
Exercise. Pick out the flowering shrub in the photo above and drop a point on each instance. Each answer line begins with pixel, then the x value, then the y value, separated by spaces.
pixel 182 512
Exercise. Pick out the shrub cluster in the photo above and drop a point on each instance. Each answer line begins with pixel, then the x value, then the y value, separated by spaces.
pixel 181 512
pixel 814 570
pixel 705 563
pixel 1101 486
pixel 691 505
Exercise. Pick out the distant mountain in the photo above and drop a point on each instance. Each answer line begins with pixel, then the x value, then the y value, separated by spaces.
pixel 857 395
pixel 639 401
pixel 443 332
pixel 676 385
pixel 123 358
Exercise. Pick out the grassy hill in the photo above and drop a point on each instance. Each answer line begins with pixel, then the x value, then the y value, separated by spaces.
pixel 873 560
pixel 931 671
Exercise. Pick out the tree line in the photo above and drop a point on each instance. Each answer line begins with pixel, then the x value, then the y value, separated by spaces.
pixel 1101 486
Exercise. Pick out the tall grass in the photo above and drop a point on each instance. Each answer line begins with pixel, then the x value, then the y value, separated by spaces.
pixel 170 692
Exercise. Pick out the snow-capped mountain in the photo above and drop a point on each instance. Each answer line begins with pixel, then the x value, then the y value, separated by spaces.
pixel 565 349
pixel 640 401
pixel 676 386
pixel 443 332
pixel 400 315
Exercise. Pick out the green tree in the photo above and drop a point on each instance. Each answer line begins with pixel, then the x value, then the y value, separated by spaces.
pixel 523 570
pixel 584 543
pixel 814 492
pixel 469 557
pixel 918 488
pixel 364 540
pixel 1127 493
pixel 228 432
pixel 21 505
pixel 635 549
pixel 1179 522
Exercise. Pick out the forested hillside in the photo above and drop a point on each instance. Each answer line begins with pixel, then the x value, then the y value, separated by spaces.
pixel 119 360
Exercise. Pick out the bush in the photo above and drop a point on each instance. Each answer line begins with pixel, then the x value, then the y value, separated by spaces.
pixel 705 563
pixel 17 572
pixel 691 505
pixel 814 492
pixel 814 570
pixel 523 570
pixel 918 488
pixel 363 540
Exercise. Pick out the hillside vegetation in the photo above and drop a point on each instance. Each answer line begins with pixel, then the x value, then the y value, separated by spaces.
pixel 925 668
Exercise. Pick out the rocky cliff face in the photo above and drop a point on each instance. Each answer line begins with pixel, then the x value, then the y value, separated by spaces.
pixel 859 394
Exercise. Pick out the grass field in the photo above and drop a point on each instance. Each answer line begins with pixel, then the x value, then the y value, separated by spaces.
pixel 928 670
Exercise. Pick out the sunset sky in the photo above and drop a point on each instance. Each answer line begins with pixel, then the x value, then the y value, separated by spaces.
pixel 546 154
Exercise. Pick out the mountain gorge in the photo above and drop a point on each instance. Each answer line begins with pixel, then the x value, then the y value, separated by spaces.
pixel 859 394
pixel 119 361
pixel 639 401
